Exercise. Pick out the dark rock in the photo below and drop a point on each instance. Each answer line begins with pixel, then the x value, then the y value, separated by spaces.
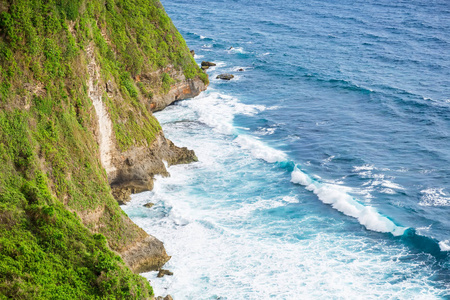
pixel 129 161
pixel 163 272
pixel 192 52
pixel 208 63
pixel 168 297
pixel 231 48
pixel 149 205
pixel 109 86
pixel 241 70
pixel 225 76
pixel 205 68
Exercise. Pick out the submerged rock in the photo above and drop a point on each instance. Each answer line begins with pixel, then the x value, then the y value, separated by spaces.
pixel 208 64
pixel 149 205
pixel 241 70
pixel 225 76
pixel 163 272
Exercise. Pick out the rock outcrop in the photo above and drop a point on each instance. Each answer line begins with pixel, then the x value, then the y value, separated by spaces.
pixel 145 255
pixel 137 167
pixel 162 273
pixel 225 76
pixel 149 205
pixel 181 88
pixel 208 64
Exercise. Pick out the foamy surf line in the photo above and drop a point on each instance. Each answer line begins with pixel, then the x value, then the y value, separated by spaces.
pixel 218 113
pixel 343 202
pixel 327 193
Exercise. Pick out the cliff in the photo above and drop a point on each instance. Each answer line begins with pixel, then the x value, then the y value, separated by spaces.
pixel 79 81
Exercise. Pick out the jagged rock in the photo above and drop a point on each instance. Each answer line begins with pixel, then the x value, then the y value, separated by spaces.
pixel 205 68
pixel 208 64
pixel 145 255
pixel 225 76
pixel 149 205
pixel 183 88
pixel 168 297
pixel 192 52
pixel 135 168
pixel 163 272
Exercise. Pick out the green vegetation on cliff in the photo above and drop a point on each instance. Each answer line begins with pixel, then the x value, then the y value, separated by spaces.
pixel 58 220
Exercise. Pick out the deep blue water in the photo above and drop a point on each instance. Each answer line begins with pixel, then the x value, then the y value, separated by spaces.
pixel 324 167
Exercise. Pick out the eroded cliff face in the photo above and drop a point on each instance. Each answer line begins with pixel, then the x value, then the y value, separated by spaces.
pixel 134 170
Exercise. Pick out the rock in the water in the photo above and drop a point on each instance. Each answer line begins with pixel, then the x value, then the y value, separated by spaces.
pixel 149 205
pixel 241 70
pixel 225 76
pixel 208 63
pixel 205 68
pixel 192 52
pixel 168 297
pixel 163 272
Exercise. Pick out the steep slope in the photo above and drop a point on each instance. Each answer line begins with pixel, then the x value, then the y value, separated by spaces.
pixel 78 83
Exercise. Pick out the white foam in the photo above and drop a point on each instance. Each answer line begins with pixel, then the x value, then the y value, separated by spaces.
pixel 290 199
pixel 444 245
pixel 388 191
pixel 383 183
pixel 266 131
pixel 236 50
pixel 365 167
pixel 391 185
pixel 434 197
pixel 345 203
pixel 327 160
pixel 260 150
pixel 218 110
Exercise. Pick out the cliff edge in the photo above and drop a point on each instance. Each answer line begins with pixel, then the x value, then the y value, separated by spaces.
pixel 79 81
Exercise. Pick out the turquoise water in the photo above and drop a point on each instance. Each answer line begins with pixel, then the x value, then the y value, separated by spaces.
pixel 323 167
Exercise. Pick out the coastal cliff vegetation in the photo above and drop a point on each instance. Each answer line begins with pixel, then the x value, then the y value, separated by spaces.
pixel 61 230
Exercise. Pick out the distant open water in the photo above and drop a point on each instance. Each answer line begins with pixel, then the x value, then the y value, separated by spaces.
pixel 324 167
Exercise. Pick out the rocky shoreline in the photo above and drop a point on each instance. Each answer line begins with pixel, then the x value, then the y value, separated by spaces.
pixel 133 171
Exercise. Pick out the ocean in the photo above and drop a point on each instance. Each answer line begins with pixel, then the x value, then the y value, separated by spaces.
pixel 324 165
